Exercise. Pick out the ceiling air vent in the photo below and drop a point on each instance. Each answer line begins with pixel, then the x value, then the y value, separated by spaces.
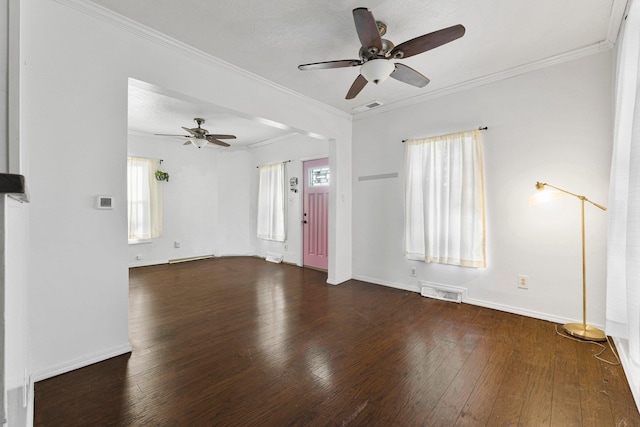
pixel 368 106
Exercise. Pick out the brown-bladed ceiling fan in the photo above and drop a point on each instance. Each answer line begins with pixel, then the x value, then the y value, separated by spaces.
pixel 201 137
pixel 376 53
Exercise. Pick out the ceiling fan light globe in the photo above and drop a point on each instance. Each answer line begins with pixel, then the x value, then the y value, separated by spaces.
pixel 200 142
pixel 377 70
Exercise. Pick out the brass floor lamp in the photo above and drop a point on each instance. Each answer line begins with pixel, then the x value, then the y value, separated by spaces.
pixel 579 330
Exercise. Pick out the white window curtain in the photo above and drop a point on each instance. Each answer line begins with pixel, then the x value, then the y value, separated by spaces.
pixel 623 246
pixel 144 198
pixel 444 200
pixel 271 203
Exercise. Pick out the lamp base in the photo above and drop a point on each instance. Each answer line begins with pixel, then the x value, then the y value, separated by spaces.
pixel 585 332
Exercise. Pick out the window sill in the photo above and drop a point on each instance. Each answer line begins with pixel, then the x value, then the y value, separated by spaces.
pixel 140 242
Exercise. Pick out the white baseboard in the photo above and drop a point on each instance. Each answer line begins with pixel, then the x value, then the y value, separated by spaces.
pixel 147 263
pixel 337 280
pixel 522 311
pixel 480 303
pixel 188 259
pixel 403 286
pixel 631 370
pixel 81 362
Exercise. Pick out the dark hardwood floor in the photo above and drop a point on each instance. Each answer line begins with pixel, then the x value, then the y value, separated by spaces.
pixel 243 342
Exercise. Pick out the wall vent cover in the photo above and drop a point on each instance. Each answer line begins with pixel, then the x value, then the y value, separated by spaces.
pixel 443 292
pixel 275 258
pixel 104 202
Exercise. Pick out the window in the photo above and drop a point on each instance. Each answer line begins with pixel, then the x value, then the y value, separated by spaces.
pixel 444 200
pixel 319 176
pixel 144 198
pixel 271 192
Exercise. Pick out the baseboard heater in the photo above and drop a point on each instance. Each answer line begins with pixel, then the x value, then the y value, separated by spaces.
pixel 193 258
pixel 443 292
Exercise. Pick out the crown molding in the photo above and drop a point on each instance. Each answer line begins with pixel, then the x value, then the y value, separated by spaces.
pixel 599 47
pixel 618 11
pixel 106 15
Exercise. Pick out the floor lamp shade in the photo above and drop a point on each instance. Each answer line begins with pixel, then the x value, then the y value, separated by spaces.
pixel 579 330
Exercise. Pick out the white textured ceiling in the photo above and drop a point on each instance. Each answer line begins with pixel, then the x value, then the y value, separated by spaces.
pixel 271 38
pixel 154 110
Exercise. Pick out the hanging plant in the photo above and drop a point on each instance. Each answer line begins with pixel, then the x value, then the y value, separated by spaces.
pixel 162 176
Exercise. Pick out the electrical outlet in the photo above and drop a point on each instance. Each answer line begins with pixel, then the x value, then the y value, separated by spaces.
pixel 138 257
pixel 413 272
pixel 523 281
pixel 286 247
pixel 176 245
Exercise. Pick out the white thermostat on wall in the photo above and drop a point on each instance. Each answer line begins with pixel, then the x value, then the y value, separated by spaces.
pixel 104 202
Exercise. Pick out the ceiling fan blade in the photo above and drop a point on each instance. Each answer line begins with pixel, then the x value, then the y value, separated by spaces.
pixel 409 75
pixel 189 130
pixel 187 143
pixel 367 29
pixel 428 41
pixel 359 83
pixel 166 134
pixel 215 141
pixel 330 64
pixel 219 136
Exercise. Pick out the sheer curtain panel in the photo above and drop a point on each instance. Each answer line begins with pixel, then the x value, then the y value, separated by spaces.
pixel 271 203
pixel 623 246
pixel 444 200
pixel 144 198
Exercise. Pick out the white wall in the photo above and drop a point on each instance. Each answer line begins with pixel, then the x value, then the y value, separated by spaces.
pixel 75 77
pixel 4 85
pixel 15 258
pixel 190 201
pixel 551 125
pixel 14 253
pixel 4 167
pixel 296 148
pixel 234 204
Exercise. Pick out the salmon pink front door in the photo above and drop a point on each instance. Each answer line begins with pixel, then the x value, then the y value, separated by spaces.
pixel 315 217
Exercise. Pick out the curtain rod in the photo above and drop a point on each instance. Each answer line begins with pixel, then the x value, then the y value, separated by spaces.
pixel 286 161
pixel 480 128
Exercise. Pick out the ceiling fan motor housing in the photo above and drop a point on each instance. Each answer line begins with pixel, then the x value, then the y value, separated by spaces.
pixel 199 132
pixel 373 52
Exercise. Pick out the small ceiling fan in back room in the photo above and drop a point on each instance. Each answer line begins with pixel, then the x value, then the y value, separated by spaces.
pixel 201 137
pixel 377 54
